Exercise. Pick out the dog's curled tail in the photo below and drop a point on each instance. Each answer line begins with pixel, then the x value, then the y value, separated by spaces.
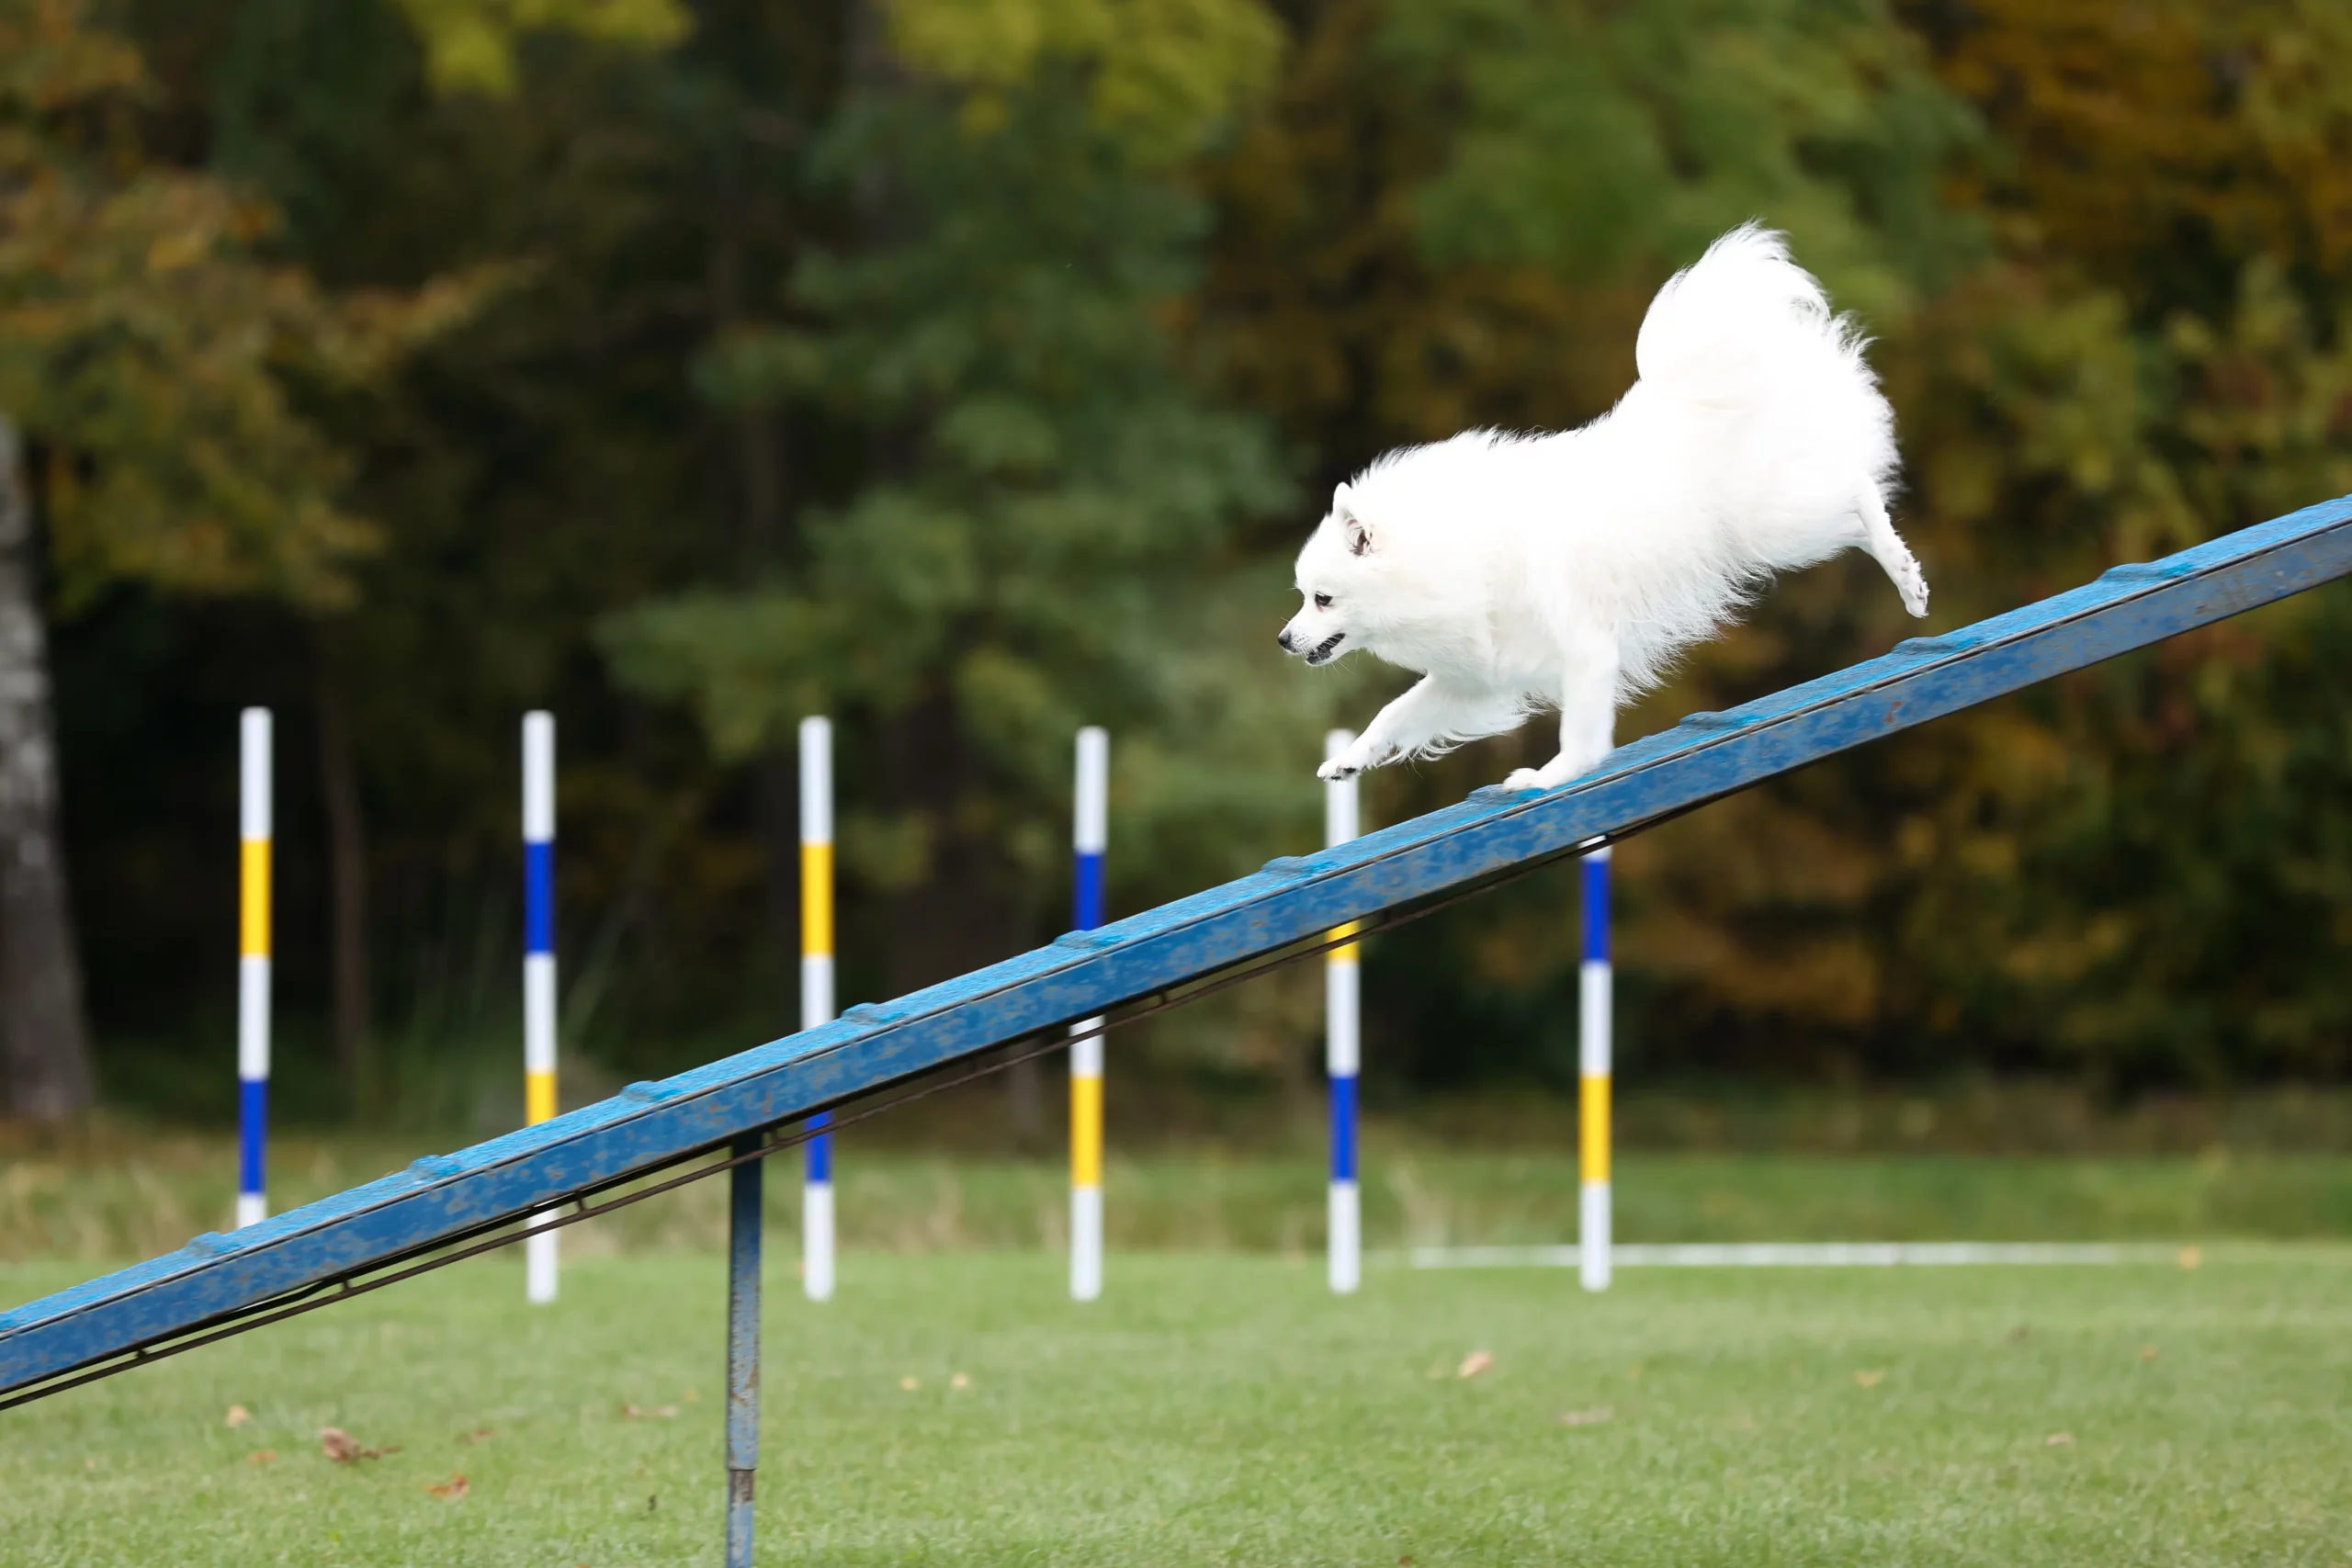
pixel 1740 321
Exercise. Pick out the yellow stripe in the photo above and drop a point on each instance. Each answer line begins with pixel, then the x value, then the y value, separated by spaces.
pixel 817 900
pixel 252 898
pixel 1086 1131
pixel 1592 1105
pixel 1346 952
pixel 538 1097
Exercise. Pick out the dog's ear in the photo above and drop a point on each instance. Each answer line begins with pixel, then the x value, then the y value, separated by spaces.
pixel 1358 533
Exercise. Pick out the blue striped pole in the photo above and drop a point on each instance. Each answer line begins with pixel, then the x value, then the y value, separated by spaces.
pixel 1343 1012
pixel 1594 985
pixel 541 1251
pixel 1089 834
pixel 252 963
pixel 816 991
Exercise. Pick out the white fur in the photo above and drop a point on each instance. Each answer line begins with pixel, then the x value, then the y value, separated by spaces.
pixel 1520 572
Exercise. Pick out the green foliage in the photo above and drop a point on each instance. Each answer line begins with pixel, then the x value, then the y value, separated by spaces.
pixel 471 43
pixel 146 343
pixel 1042 541
pixel 1162 75
pixel 966 370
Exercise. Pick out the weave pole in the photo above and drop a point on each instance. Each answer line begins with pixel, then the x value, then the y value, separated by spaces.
pixel 1595 983
pixel 816 991
pixel 1342 1016
pixel 541 1256
pixel 253 965
pixel 1089 833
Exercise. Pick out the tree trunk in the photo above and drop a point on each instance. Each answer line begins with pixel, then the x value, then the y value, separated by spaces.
pixel 963 913
pixel 346 865
pixel 44 1045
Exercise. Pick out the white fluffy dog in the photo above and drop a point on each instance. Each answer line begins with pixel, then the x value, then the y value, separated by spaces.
pixel 1519 572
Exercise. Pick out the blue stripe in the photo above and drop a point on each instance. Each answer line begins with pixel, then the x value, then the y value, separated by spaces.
pixel 539 897
pixel 252 1133
pixel 1596 909
pixel 1089 890
pixel 1343 1129
pixel 821 1149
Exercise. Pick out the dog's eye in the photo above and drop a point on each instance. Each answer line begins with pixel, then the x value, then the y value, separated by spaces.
pixel 1322 601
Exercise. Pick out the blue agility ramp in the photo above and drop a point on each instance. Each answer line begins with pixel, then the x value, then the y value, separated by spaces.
pixel 216 1281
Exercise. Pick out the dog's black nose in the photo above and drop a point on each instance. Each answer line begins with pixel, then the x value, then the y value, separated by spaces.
pixel 1282 637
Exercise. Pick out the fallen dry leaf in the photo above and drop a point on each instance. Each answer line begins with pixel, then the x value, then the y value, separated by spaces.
pixel 2191 1257
pixel 238 1416
pixel 343 1448
pixel 2059 1441
pixel 2147 1352
pixel 1474 1363
pixel 1587 1417
pixel 2020 1334
pixel 479 1434
pixel 642 1411
pixel 910 1384
pixel 1870 1379
pixel 262 1456
pixel 960 1381
pixel 454 1488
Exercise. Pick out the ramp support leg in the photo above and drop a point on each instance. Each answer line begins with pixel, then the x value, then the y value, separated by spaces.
pixel 743 1220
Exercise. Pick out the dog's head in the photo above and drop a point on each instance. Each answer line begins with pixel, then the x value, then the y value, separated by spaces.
pixel 1336 570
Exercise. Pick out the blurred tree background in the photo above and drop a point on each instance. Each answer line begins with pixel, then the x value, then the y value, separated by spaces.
pixel 969 369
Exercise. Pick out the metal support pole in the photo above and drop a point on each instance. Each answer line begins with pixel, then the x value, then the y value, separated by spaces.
pixel 744 1213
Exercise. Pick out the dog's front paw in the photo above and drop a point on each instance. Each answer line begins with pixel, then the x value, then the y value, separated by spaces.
pixel 1336 768
pixel 1527 778
pixel 1911 584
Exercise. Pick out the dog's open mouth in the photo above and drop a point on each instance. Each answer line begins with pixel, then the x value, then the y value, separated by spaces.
pixel 1322 651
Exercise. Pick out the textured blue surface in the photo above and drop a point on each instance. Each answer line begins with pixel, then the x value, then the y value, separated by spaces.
pixel 1082 974
pixel 539 897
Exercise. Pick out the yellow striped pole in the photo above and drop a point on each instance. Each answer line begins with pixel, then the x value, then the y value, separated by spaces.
pixel 1343 1051
pixel 816 991
pixel 1595 983
pixel 1090 831
pixel 541 1251
pixel 252 963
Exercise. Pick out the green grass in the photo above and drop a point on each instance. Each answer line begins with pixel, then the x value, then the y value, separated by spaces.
pixel 1225 1409
pixel 128 1192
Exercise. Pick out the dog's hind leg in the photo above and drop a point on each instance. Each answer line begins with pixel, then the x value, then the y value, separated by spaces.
pixel 1887 548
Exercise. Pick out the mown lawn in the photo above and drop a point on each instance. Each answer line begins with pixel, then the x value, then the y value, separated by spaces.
pixel 1222 1408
